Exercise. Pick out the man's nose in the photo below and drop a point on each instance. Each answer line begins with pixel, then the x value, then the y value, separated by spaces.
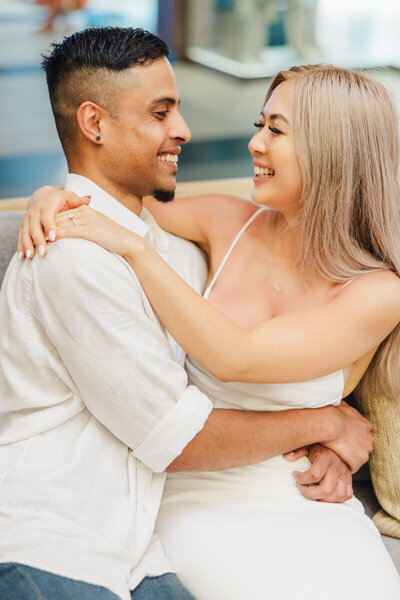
pixel 179 130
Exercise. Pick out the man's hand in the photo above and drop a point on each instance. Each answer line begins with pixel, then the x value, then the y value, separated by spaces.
pixel 328 479
pixel 38 224
pixel 353 440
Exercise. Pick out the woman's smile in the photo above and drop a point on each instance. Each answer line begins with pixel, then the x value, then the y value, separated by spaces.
pixel 262 173
pixel 273 151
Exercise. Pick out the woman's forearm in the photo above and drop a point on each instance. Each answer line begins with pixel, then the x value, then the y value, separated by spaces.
pixel 294 347
pixel 200 328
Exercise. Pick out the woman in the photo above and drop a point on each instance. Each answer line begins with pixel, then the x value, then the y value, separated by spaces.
pixel 317 275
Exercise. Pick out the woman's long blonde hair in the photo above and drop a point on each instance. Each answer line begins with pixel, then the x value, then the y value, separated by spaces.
pixel 345 128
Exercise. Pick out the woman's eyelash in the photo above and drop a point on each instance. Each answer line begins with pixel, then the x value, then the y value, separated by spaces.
pixel 275 130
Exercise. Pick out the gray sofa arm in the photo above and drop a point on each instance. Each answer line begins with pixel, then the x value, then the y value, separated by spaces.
pixel 9 224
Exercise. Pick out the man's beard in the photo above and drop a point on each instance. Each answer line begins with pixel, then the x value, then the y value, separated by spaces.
pixel 164 195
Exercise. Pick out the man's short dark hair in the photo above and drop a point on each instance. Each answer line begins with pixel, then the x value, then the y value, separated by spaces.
pixel 85 65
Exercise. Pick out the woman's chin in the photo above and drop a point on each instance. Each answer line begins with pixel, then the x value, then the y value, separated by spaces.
pixel 260 197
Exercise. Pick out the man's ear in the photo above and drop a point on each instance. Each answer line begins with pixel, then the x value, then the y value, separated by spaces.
pixel 89 117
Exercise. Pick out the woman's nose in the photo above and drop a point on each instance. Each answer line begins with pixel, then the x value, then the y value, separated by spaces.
pixel 257 143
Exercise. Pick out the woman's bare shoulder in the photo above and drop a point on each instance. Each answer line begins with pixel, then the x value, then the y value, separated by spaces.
pixel 200 218
pixel 226 214
pixel 220 203
pixel 377 289
pixel 378 282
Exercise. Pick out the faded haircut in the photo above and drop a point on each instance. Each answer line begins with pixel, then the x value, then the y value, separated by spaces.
pixel 89 66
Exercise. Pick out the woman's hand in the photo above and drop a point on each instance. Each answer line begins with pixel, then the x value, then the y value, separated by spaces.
pixel 327 480
pixel 38 224
pixel 86 223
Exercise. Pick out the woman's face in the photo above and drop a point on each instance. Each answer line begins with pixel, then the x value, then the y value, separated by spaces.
pixel 277 176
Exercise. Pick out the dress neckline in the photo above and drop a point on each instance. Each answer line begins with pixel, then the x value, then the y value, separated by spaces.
pixel 237 237
pixel 210 286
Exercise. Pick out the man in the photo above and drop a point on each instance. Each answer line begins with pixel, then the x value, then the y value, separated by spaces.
pixel 95 409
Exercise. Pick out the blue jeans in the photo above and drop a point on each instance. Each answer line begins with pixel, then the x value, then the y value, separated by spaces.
pixel 20 582
pixel 164 587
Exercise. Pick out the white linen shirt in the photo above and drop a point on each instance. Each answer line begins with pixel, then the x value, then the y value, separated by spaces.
pixel 93 407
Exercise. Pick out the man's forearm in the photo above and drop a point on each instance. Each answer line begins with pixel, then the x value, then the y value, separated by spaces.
pixel 233 438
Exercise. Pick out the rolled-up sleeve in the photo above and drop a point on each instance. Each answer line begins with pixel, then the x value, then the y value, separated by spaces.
pixel 95 315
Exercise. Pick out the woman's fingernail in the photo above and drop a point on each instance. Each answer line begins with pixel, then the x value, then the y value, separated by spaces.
pixel 20 255
pixel 52 236
pixel 41 250
pixel 89 197
pixel 28 253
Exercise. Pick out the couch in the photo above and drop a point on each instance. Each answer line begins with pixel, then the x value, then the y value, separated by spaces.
pixel 10 217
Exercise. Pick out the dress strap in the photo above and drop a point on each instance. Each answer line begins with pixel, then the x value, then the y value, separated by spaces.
pixel 227 255
pixel 347 283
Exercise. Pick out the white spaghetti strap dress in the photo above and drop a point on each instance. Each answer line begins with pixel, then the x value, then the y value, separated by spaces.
pixel 248 534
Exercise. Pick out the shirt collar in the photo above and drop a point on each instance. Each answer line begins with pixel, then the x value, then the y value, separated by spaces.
pixel 103 202
pixel 161 238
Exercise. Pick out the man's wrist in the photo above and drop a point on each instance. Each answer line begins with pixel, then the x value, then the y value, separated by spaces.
pixel 331 424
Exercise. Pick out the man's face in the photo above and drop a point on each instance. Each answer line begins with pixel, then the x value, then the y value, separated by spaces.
pixel 141 141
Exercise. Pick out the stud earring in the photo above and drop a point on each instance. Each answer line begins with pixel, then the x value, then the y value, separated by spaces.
pixel 98 138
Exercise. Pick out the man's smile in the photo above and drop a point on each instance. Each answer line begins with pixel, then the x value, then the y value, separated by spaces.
pixel 170 157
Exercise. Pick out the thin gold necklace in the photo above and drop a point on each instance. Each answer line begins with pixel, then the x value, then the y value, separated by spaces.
pixel 277 288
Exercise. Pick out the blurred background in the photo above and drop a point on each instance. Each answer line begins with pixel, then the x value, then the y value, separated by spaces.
pixel 223 51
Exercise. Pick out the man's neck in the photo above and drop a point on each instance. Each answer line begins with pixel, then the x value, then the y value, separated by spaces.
pixel 129 200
